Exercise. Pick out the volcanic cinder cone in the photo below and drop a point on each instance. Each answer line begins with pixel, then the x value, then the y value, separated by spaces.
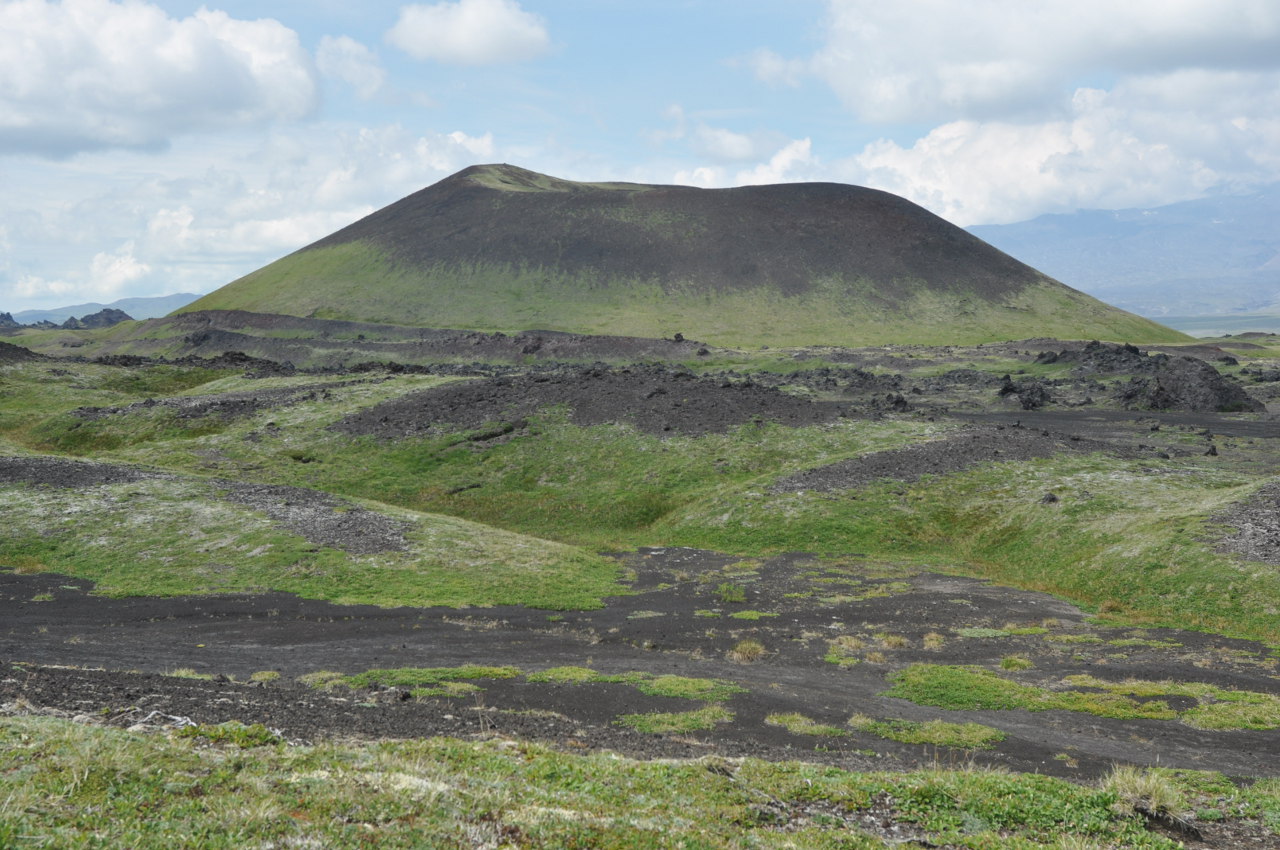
pixel 499 248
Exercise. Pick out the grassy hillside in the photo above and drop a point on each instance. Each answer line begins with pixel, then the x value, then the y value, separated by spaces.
pixel 1121 538
pixel 360 281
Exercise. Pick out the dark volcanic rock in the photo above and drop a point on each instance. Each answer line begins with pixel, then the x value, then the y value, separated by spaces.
pixel 7 321
pixel 653 399
pixel 1185 383
pixel 17 354
pixel 1104 358
pixel 104 318
pixel 68 474
pixel 1030 394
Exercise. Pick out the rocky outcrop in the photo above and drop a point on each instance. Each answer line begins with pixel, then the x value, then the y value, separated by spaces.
pixel 1185 383
pixel 101 319
pixel 17 354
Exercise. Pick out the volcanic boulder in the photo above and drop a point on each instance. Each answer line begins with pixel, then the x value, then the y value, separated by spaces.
pixel 1185 383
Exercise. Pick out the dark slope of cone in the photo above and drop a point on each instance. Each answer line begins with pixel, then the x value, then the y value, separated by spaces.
pixel 501 248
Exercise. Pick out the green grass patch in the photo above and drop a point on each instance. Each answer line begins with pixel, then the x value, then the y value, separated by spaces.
pixel 731 593
pixel 752 615
pixel 323 680
pixel 680 687
pixel 232 732
pixel 658 722
pixel 684 687
pixel 427 676
pixel 1144 642
pixel 564 675
pixel 1016 662
pixel 798 724
pixel 975 689
pixel 448 690
pixel 938 733
pixel 1219 708
pixel 981 632
pixel 842 651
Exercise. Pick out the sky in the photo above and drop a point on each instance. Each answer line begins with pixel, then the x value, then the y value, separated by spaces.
pixel 158 146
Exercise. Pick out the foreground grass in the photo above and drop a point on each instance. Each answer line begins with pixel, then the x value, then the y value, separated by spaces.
pixel 64 785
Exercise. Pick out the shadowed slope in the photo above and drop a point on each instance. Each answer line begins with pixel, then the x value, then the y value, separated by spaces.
pixel 499 248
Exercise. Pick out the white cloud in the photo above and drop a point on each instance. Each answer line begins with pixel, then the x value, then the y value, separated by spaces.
pixel 776 69
pixel 149 226
pixel 109 272
pixel 781 166
pixel 350 61
pixel 718 143
pixel 792 162
pixel 930 60
pixel 90 74
pixel 722 144
pixel 1050 106
pixel 973 172
pixel 705 177
pixel 470 32
pixel 31 286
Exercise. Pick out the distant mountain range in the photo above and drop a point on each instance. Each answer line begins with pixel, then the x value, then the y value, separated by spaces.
pixel 138 308
pixel 1214 257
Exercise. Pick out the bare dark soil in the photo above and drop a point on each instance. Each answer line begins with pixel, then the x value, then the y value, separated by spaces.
pixel 54 648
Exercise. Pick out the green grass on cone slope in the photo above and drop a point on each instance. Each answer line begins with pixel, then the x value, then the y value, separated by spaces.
pixel 359 281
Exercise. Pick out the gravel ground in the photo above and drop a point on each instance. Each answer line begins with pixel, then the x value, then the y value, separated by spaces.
pixel 1257 526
